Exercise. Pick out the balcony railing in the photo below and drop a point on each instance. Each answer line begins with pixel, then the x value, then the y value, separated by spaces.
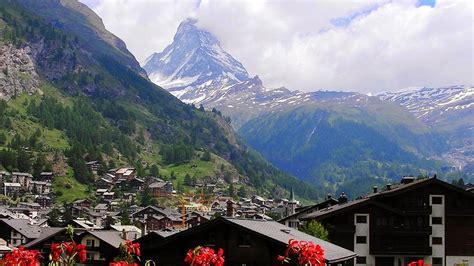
pixel 401 230
pixel 380 249
pixel 417 210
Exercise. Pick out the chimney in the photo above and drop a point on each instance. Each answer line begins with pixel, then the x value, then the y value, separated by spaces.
pixel 407 180
pixel 375 189
pixel 143 227
pixel 230 208
pixel 342 199
pixel 389 186
pixel 124 234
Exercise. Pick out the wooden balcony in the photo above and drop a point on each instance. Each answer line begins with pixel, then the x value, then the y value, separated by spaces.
pixel 417 210
pixel 400 250
pixel 400 245
pixel 341 229
pixel 400 230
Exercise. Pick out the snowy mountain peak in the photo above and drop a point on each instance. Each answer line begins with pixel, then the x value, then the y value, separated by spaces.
pixel 256 81
pixel 431 103
pixel 194 58
pixel 185 26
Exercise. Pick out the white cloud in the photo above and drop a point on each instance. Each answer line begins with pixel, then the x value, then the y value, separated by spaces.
pixel 384 46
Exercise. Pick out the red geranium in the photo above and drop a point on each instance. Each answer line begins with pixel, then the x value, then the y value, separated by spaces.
pixel 22 257
pixel 204 256
pixel 128 253
pixel 303 253
pixel 68 253
pixel 417 263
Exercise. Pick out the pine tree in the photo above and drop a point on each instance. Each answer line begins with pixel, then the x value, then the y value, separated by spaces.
pixel 3 138
pixel 187 180
pixel 23 161
pixel 154 170
pixel 231 190
pixel 146 196
pixel 125 216
pixel 39 165
pixel 242 192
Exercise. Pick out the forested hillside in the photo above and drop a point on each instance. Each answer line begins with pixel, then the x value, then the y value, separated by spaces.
pixel 93 103
pixel 328 147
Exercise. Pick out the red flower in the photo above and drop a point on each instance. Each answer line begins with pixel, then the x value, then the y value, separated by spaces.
pixel 22 257
pixel 204 256
pixel 133 248
pixel 303 253
pixel 82 256
pixel 70 250
pixel 417 263
pixel 56 251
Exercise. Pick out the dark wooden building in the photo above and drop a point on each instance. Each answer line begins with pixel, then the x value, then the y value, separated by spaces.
pixel 161 189
pixel 102 246
pixel 425 219
pixel 245 242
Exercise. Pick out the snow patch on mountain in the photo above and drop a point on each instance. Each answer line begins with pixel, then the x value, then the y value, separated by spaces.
pixel 428 103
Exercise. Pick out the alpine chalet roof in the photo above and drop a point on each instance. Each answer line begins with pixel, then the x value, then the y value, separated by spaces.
pixel 271 230
pixel 394 190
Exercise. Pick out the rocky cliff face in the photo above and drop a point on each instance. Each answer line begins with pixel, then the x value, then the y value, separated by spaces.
pixel 17 71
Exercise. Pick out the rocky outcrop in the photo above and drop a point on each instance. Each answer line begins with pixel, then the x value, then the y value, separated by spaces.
pixel 17 71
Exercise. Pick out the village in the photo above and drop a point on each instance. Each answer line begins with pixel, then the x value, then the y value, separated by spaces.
pixel 417 218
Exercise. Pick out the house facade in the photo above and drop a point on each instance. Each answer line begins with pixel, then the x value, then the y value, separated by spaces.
pixel 417 219
pixel 245 242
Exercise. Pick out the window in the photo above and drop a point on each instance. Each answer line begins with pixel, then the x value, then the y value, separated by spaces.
pixel 361 219
pixel 436 200
pixel 244 240
pixel 437 261
pixel 90 242
pixel 361 239
pixel 293 224
pixel 89 256
pixel 361 260
pixel 436 220
pixel 437 240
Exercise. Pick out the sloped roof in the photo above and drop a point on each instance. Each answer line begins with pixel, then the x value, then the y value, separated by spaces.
pixel 157 184
pixel 101 206
pixel 46 233
pixel 110 237
pixel 127 228
pixel 271 230
pixel 8 184
pixel 394 190
pixel 24 227
pixel 284 234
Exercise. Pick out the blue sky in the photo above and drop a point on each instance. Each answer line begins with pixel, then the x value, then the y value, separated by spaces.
pixel 431 3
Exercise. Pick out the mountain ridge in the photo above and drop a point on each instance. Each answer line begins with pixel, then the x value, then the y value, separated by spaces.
pixel 259 113
pixel 131 120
